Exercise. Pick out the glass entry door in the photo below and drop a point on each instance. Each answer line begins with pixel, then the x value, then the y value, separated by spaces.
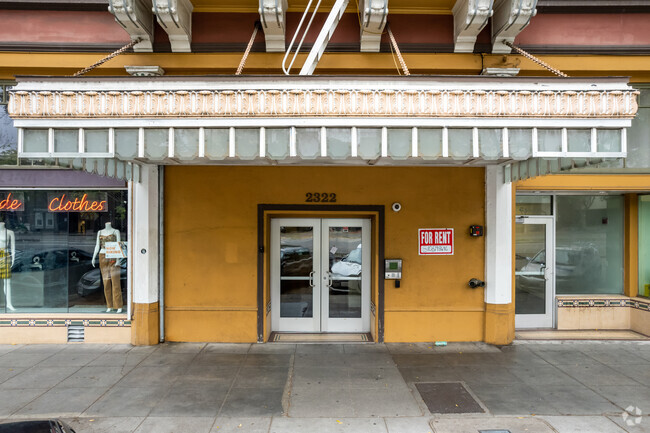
pixel 320 275
pixel 534 272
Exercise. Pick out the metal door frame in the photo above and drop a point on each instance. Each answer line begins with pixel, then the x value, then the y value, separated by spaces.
pixel 320 320
pixel 532 321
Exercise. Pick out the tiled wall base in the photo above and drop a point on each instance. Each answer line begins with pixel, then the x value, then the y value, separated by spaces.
pixel 603 312
pixel 43 328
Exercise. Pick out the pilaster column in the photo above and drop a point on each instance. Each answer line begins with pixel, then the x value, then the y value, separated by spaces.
pixel 499 308
pixel 145 328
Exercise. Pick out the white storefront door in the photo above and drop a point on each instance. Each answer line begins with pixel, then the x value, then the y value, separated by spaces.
pixel 320 275
pixel 534 272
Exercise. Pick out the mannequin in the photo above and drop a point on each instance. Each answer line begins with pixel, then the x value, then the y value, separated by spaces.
pixel 109 268
pixel 7 256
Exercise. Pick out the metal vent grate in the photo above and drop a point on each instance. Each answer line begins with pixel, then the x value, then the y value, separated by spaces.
pixel 75 333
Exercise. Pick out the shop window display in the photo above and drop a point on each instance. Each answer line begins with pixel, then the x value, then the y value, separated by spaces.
pixel 63 251
pixel 644 245
pixel 589 244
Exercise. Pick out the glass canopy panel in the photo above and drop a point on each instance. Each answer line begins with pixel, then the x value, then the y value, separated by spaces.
pixel 460 143
pixel 186 143
pixel 609 140
pixel 96 140
pixel 339 142
pixel 430 143
pixel 247 143
pixel 399 143
pixel 217 143
pixel 66 140
pixel 549 140
pixel 369 143
pixel 520 143
pixel 278 142
pixel 35 140
pixel 156 146
pixel 126 143
pixel 490 143
pixel 579 140
pixel 308 142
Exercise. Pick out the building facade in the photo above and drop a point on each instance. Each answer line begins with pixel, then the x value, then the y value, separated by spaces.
pixel 456 204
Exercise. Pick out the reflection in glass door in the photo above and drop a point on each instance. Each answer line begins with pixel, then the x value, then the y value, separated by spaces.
pixel 534 268
pixel 320 275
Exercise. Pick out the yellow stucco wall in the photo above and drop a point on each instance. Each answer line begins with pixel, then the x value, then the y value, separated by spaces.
pixel 211 245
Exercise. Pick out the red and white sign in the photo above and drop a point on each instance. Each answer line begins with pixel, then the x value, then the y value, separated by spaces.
pixel 436 242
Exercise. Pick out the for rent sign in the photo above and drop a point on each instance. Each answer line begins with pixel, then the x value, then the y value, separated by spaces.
pixel 436 242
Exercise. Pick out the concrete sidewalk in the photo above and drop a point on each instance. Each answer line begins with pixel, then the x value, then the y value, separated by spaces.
pixel 274 387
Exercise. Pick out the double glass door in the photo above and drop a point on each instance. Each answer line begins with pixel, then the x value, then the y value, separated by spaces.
pixel 534 272
pixel 320 275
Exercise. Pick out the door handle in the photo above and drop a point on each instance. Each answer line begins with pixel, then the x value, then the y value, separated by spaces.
pixel 328 277
pixel 311 279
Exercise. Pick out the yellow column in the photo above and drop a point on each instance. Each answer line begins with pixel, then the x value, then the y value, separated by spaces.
pixel 499 324
pixel 145 327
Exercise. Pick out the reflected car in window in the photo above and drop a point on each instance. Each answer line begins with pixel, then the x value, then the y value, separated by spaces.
pixel 40 426
pixel 47 277
pixel 91 281
pixel 576 267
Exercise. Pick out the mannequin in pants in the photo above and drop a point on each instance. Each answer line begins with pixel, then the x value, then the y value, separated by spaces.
pixel 109 268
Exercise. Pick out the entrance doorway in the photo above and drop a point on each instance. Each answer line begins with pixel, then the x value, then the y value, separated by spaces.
pixel 534 272
pixel 320 275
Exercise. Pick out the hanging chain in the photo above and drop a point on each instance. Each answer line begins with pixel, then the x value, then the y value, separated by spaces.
pixel 536 60
pixel 107 58
pixel 397 51
pixel 240 68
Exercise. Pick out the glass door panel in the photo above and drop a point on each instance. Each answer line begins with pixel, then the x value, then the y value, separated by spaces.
pixel 295 267
pixel 345 260
pixel 346 291
pixel 534 264
pixel 296 271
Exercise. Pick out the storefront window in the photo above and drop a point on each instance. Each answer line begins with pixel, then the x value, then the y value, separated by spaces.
pixel 63 251
pixel 534 205
pixel 589 244
pixel 644 245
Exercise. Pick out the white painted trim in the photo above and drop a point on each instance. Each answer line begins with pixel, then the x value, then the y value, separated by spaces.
pixel 318 83
pixel 231 143
pixel 498 237
pixel 141 143
pixel 535 142
pixel 262 142
pixel 201 142
pixel 81 137
pixel 354 142
pixel 565 141
pixel 384 142
pixel 171 141
pixel 50 141
pixel 292 142
pixel 475 150
pixel 505 143
pixel 342 122
pixel 111 142
pixel 323 141
pixel 414 143
pixel 624 141
pixel 594 140
pixel 445 143
pixel 21 140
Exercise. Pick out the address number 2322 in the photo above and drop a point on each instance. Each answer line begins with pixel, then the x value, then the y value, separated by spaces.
pixel 320 197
